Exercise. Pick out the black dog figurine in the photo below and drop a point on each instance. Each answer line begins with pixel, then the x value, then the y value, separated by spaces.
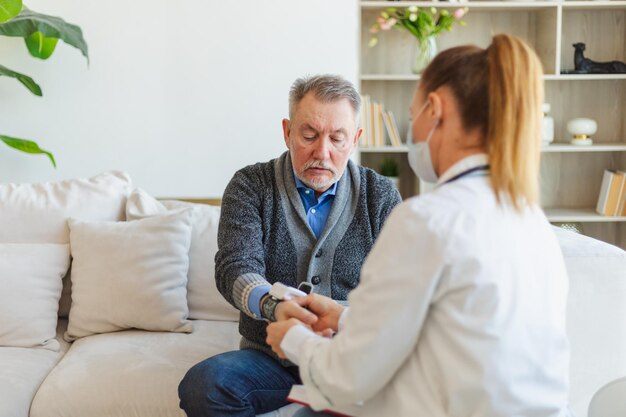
pixel 587 66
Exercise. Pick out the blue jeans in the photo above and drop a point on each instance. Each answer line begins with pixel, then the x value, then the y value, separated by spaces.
pixel 241 383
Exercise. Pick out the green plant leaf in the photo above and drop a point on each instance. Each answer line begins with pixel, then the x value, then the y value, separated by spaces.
pixel 388 167
pixel 27 146
pixel 40 46
pixel 9 9
pixel 28 22
pixel 24 79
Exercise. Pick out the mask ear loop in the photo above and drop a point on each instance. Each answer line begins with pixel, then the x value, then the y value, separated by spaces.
pixel 432 130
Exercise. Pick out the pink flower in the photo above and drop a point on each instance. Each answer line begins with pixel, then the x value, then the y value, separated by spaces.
pixel 459 13
pixel 383 24
pixel 388 24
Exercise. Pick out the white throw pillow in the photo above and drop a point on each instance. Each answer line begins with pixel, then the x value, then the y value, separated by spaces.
pixel 30 288
pixel 204 300
pixel 38 213
pixel 576 245
pixel 130 275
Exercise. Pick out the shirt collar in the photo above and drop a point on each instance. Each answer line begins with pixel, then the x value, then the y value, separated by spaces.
pixel 463 165
pixel 301 186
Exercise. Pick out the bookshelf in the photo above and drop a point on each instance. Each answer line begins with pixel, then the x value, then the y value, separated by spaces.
pixel 570 175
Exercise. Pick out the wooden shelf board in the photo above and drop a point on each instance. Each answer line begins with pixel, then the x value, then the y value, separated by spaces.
pixel 547 77
pixel 583 77
pixel 586 215
pixel 593 5
pixel 503 5
pixel 598 147
pixel 553 148
pixel 383 149
pixel 482 5
pixel 390 77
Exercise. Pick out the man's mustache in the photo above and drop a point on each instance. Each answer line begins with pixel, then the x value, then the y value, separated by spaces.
pixel 318 164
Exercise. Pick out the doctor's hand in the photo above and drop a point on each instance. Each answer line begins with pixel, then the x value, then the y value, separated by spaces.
pixel 276 333
pixel 293 308
pixel 327 310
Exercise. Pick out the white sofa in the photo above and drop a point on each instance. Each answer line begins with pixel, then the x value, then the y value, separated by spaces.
pixel 110 369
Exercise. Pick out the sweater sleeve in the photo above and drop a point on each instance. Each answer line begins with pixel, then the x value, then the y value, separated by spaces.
pixel 390 198
pixel 240 259
pixel 382 198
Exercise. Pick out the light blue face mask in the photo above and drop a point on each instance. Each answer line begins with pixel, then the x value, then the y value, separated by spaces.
pixel 419 157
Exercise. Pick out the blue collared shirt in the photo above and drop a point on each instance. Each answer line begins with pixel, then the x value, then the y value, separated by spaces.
pixel 317 211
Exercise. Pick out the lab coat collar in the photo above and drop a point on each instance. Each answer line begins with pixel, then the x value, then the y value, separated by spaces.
pixel 463 165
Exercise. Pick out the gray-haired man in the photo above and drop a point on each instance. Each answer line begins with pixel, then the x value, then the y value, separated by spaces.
pixel 310 215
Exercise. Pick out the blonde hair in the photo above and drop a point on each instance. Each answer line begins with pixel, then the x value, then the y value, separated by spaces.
pixel 499 90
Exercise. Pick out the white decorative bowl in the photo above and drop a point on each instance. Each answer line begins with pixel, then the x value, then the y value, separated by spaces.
pixel 581 130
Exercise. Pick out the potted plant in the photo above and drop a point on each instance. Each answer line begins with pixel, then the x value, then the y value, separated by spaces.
pixel 41 34
pixel 389 168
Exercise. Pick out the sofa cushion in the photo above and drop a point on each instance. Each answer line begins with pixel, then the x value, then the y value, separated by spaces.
pixel 38 213
pixel 130 275
pixel 30 288
pixel 205 301
pixel 129 373
pixel 595 315
pixel 22 370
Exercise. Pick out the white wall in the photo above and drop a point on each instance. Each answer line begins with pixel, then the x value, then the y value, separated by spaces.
pixel 180 94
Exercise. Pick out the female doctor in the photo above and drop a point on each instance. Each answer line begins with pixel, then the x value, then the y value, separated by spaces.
pixel 461 306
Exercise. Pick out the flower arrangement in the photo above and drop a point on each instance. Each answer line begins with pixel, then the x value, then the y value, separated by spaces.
pixel 421 23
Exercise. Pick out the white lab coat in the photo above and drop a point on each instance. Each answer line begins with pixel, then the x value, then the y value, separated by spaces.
pixel 460 312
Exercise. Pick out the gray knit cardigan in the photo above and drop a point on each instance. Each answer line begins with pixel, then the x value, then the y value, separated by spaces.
pixel 264 236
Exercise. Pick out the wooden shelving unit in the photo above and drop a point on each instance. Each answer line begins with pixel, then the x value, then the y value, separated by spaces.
pixel 570 175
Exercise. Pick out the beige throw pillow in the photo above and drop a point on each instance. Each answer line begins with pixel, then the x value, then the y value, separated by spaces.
pixel 204 300
pixel 30 288
pixel 130 275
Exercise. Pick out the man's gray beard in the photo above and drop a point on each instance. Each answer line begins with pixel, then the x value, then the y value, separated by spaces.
pixel 319 186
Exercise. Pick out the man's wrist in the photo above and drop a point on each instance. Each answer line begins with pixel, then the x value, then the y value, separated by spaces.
pixel 254 299
pixel 268 306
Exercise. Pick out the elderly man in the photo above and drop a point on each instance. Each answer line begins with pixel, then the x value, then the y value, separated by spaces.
pixel 311 216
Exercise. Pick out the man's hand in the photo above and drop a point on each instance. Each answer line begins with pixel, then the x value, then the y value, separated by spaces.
pixel 276 332
pixel 286 310
pixel 327 310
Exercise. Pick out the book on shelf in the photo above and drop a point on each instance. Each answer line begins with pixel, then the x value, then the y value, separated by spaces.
pixel 392 128
pixel 612 198
pixel 371 123
pixel 298 395
pixel 621 202
pixel 376 123
pixel 379 125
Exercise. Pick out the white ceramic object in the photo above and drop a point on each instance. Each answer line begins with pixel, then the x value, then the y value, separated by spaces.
pixel 547 125
pixel 609 400
pixel 581 130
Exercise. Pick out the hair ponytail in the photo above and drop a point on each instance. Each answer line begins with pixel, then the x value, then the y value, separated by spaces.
pixel 514 122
